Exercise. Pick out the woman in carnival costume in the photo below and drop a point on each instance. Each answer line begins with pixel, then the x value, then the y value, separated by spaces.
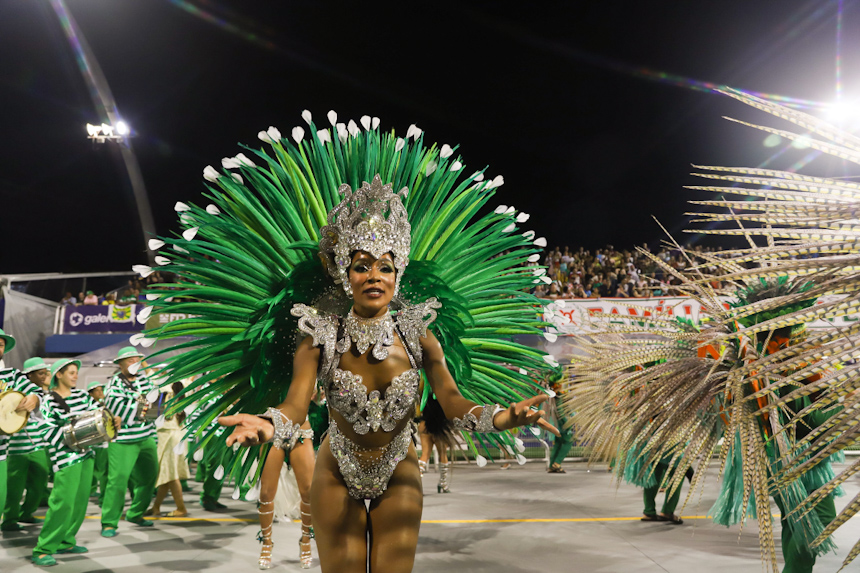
pixel 750 375
pixel 359 325
pixel 73 469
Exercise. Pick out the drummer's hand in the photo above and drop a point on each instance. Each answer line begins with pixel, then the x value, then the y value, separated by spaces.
pixel 248 430
pixel 117 422
pixel 522 414
pixel 28 404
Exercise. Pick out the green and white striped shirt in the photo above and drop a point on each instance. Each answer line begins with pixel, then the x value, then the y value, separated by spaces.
pixel 56 417
pixel 199 408
pixel 121 399
pixel 32 437
pixel 14 379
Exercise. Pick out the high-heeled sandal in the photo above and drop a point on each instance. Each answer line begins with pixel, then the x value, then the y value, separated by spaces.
pixel 305 555
pixel 265 537
pixel 422 467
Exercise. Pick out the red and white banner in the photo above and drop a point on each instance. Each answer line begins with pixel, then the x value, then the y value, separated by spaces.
pixel 581 311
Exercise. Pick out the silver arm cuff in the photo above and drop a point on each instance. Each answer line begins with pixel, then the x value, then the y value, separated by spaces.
pixel 286 432
pixel 470 423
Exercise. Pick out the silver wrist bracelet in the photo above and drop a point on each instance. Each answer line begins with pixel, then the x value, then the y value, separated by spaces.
pixel 286 432
pixel 470 423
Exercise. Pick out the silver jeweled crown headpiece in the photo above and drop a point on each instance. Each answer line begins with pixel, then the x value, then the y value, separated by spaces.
pixel 372 219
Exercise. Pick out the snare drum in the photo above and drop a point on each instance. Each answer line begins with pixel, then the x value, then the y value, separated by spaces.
pixel 94 427
pixel 10 420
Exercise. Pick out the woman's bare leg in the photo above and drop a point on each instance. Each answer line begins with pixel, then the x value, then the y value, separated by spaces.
pixel 160 494
pixel 443 452
pixel 426 448
pixel 268 489
pixel 176 493
pixel 302 462
pixel 395 518
pixel 340 522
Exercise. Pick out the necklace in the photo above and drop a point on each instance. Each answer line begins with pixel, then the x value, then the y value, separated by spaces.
pixel 366 332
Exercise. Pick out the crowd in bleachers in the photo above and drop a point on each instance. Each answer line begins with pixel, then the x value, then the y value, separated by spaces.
pixel 130 293
pixel 610 272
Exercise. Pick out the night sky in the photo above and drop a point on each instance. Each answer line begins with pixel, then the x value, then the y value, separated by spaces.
pixel 552 95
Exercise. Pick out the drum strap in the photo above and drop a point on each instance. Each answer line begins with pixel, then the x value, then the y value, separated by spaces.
pixel 128 383
pixel 61 402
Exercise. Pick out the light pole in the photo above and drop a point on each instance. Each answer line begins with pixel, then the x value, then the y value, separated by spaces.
pixel 118 130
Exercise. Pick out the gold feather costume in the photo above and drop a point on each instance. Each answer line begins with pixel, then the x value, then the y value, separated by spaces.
pixel 751 376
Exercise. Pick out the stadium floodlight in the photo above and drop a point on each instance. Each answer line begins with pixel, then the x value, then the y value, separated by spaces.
pixel 104 132
pixel 843 112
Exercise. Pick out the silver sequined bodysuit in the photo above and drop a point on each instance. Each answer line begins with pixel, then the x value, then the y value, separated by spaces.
pixel 367 471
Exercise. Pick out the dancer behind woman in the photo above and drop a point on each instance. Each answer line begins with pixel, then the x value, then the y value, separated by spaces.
pixel 73 469
pixel 435 430
pixel 254 255
pixel 172 466
pixel 301 461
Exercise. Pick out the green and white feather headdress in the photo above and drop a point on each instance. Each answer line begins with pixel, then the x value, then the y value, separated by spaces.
pixel 244 260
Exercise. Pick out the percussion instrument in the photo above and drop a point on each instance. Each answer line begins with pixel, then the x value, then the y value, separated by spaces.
pixel 94 427
pixel 150 407
pixel 10 420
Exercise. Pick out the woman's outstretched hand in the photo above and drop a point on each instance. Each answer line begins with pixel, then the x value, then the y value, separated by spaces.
pixel 522 414
pixel 248 430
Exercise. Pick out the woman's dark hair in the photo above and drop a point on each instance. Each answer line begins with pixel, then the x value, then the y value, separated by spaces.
pixel 176 388
pixel 436 423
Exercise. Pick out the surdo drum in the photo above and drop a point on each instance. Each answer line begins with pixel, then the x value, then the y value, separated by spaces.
pixel 94 427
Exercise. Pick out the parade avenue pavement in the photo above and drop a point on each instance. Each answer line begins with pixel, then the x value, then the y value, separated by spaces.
pixel 520 520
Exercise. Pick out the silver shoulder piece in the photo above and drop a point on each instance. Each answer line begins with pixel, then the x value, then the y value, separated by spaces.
pixel 413 321
pixel 323 327
pixel 470 423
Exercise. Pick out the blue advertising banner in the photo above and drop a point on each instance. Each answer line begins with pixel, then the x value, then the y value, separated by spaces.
pixel 101 319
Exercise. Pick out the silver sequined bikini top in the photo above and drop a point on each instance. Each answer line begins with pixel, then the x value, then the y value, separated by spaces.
pixel 345 391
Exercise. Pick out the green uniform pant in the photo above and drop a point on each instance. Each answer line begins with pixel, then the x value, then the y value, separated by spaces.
pixel 133 465
pixel 650 494
pixel 562 444
pixel 3 482
pixel 100 473
pixel 211 487
pixel 798 556
pixel 25 471
pixel 67 508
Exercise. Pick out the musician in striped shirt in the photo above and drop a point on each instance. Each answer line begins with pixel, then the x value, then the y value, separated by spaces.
pixel 73 469
pixel 134 451
pixel 13 379
pixel 208 464
pixel 27 464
